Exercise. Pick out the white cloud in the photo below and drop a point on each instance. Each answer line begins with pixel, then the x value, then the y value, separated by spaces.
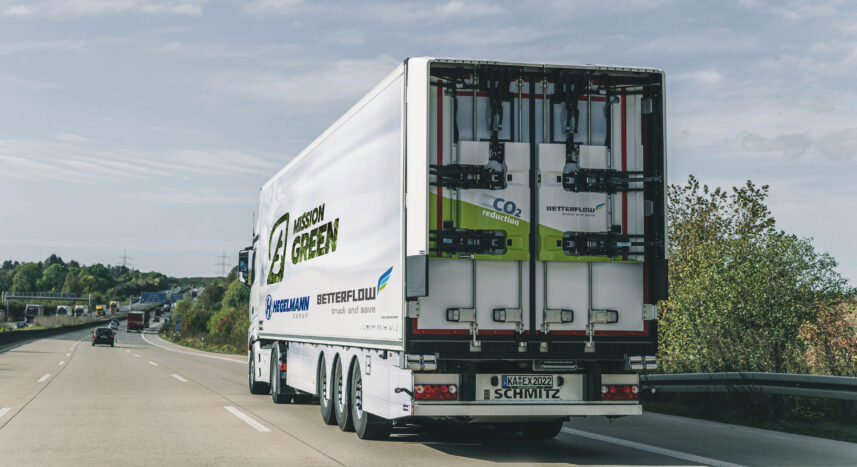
pixel 18 10
pixel 65 9
pixel 702 77
pixel 27 83
pixel 708 41
pixel 64 45
pixel 340 80
pixel 173 196
pixel 266 7
pixel 795 10
pixel 70 137
pixel 836 145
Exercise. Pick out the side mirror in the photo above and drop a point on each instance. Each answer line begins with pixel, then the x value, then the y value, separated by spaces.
pixel 244 266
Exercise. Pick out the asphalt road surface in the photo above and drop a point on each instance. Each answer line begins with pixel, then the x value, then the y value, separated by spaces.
pixel 148 402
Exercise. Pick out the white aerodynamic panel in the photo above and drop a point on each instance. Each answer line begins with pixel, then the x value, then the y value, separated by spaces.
pixel 331 223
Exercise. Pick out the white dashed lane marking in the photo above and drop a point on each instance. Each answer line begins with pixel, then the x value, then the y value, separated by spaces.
pixel 247 419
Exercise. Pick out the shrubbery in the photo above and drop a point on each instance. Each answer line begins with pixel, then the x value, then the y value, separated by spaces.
pixel 218 320
pixel 747 297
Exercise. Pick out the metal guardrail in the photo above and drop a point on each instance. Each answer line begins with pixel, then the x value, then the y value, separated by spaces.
pixel 827 387
pixel 46 295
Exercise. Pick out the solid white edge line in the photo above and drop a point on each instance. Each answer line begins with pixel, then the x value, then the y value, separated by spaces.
pixel 652 449
pixel 4 410
pixel 242 362
pixel 178 378
pixel 152 363
pixel 44 378
pixel 247 419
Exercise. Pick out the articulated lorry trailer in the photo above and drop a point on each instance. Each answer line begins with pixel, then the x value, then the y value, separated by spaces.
pixel 473 241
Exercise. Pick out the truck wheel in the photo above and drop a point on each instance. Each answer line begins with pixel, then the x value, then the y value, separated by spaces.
pixel 277 390
pixel 341 400
pixel 367 425
pixel 542 430
pixel 328 415
pixel 255 387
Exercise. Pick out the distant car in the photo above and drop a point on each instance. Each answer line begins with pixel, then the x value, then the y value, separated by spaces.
pixel 114 324
pixel 156 319
pixel 20 324
pixel 103 335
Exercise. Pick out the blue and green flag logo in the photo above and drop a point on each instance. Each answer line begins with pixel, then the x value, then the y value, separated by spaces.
pixel 382 281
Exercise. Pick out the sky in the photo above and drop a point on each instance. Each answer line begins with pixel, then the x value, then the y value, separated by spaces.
pixel 149 126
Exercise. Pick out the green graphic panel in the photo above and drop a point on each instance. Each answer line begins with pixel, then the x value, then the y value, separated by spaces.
pixel 469 216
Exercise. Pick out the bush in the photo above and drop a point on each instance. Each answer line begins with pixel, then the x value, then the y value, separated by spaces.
pixel 740 291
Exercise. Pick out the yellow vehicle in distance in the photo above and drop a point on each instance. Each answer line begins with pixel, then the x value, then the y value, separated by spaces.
pixel 114 307
pixel 99 310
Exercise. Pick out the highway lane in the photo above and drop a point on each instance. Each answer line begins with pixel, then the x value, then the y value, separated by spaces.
pixel 148 402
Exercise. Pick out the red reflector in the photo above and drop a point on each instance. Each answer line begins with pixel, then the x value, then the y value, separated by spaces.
pixel 620 392
pixel 283 366
pixel 93 335
pixel 436 392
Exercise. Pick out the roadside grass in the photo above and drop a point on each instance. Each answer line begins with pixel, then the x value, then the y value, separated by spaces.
pixel 822 418
pixel 201 342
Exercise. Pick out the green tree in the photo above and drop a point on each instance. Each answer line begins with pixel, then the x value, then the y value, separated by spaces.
pixel 53 278
pixel 212 295
pixel 72 282
pixel 5 279
pixel 26 277
pixel 740 290
pixel 53 259
pixel 237 294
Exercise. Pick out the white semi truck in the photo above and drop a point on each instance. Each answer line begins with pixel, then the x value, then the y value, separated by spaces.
pixel 474 241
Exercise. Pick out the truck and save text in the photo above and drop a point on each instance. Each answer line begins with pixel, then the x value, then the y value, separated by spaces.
pixel 473 241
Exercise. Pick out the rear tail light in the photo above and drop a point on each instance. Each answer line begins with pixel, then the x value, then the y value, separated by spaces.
pixel 436 392
pixel 620 392
pixel 283 366
pixel 93 334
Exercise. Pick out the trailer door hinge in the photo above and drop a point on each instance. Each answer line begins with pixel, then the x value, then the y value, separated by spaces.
pixel 414 309
pixel 650 312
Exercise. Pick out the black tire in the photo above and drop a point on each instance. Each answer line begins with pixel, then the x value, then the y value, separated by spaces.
pixel 341 399
pixel 93 343
pixel 111 344
pixel 279 394
pixel 541 430
pixel 328 415
pixel 367 425
pixel 255 387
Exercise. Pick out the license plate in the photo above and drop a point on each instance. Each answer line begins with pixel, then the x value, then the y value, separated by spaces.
pixel 527 381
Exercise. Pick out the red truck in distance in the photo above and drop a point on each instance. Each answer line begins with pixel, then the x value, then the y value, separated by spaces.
pixel 137 321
